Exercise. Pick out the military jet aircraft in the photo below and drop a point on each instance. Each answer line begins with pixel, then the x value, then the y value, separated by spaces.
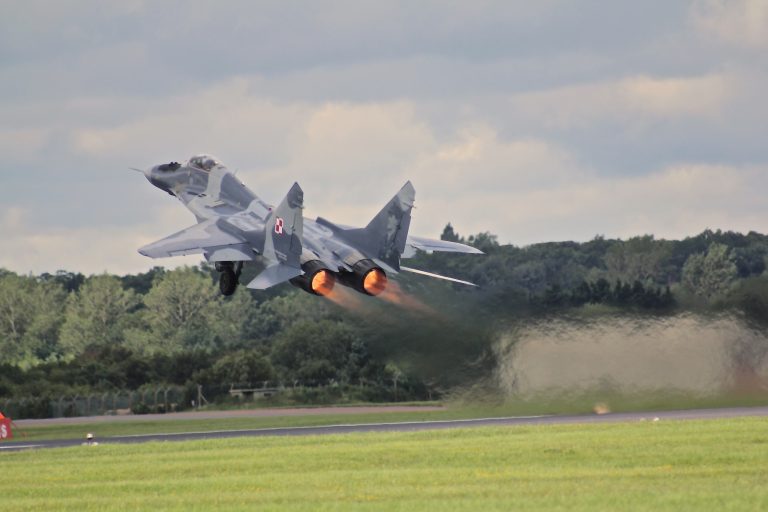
pixel 235 227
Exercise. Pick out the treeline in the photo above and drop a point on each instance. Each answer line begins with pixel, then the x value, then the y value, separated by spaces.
pixel 622 295
pixel 714 269
pixel 104 332
pixel 70 333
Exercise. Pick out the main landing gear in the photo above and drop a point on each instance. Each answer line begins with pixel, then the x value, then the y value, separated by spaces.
pixel 230 276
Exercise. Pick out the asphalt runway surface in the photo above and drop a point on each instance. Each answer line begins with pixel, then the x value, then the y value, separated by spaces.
pixel 412 426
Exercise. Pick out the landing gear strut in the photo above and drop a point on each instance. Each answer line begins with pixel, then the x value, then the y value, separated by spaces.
pixel 229 277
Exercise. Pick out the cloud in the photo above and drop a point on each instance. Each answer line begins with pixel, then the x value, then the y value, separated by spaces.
pixel 742 23
pixel 536 122
pixel 341 152
pixel 23 143
pixel 352 151
pixel 87 249
pixel 533 191
pixel 11 219
pixel 223 119
pixel 629 101
pixel 352 157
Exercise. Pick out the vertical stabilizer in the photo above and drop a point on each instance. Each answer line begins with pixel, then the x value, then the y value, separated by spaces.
pixel 385 236
pixel 284 229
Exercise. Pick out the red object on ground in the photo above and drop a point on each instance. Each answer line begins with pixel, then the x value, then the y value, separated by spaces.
pixel 5 428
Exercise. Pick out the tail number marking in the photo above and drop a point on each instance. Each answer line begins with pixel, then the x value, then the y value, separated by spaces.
pixel 279 226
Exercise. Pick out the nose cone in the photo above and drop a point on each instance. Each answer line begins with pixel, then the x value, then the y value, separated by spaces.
pixel 155 177
pixel 160 175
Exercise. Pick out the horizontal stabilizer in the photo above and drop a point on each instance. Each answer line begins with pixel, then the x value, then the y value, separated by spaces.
pixel 428 245
pixel 436 276
pixel 196 239
pixel 273 275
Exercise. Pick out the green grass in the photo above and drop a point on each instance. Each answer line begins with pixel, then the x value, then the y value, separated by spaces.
pixel 674 465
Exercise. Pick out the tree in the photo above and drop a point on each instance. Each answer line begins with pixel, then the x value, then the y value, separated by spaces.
pixel 601 291
pixel 235 317
pixel 243 368
pixel 97 313
pixel 279 313
pixel 314 351
pixel 142 283
pixel 712 274
pixel 183 311
pixel 531 276
pixel 30 318
pixel 449 234
pixel 581 294
pixel 70 281
pixel 638 259
pixel 486 242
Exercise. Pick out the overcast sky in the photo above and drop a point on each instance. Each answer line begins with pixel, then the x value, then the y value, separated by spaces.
pixel 536 121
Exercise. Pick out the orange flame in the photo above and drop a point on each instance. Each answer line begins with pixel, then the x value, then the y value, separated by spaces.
pixel 375 282
pixel 323 282
pixel 347 299
pixel 395 295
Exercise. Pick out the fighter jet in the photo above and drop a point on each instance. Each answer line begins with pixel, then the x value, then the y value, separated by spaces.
pixel 235 227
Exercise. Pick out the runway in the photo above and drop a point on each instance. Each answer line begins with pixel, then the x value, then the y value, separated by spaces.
pixel 413 426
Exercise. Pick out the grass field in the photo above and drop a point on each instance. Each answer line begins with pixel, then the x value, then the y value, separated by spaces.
pixel 674 465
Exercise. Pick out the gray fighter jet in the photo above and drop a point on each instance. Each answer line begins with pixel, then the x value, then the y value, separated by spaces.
pixel 236 227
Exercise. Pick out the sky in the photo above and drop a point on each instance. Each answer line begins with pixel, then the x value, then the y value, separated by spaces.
pixel 536 121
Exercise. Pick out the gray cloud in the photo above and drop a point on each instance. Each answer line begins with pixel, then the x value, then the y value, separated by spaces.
pixel 616 117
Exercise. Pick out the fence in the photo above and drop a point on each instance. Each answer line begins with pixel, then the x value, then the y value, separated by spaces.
pixel 161 399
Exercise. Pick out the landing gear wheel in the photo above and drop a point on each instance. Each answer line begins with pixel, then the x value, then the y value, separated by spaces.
pixel 228 282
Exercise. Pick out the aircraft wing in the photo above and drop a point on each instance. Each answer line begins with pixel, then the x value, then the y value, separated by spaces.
pixel 206 237
pixel 428 245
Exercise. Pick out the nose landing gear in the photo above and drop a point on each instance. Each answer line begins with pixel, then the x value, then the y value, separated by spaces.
pixel 229 277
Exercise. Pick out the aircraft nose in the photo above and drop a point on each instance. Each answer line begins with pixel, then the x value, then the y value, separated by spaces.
pixel 161 175
pixel 150 171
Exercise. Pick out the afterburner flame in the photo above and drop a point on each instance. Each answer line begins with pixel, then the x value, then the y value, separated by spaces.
pixel 397 296
pixel 375 282
pixel 348 299
pixel 322 282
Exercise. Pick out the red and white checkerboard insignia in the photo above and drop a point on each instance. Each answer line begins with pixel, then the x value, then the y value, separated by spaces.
pixel 279 226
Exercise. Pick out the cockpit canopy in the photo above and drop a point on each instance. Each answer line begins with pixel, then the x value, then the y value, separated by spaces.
pixel 205 162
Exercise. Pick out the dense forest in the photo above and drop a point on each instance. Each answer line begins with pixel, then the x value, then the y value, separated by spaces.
pixel 69 333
